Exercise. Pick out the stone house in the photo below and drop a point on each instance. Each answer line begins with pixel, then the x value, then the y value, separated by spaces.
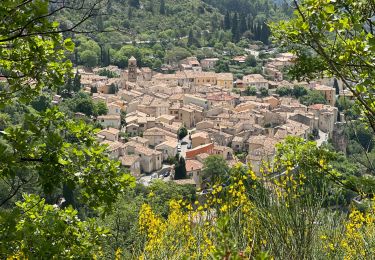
pixel 199 138
pixel 132 129
pixel 205 124
pixel 238 144
pixel 209 63
pixel 206 148
pixel 328 92
pixel 114 149
pixel 196 100
pixel 114 109
pixel 224 151
pixel 167 148
pixel 132 163
pixel 327 117
pixel 219 137
pixel 150 160
pixel 194 170
pixel 110 121
pixel 221 100
pixel 224 80
pixel 256 80
pixel 110 134
pixel 157 136
pixel 166 119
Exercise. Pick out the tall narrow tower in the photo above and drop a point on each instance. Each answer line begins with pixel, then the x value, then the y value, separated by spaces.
pixel 132 69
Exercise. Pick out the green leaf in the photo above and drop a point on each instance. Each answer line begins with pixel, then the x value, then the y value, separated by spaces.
pixel 69 44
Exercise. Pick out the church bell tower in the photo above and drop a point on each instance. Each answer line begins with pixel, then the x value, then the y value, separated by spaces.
pixel 132 69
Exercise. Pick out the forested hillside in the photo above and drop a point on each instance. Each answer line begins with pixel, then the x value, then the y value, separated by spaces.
pixel 159 26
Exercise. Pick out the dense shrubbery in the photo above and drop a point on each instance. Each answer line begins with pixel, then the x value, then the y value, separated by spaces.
pixel 287 217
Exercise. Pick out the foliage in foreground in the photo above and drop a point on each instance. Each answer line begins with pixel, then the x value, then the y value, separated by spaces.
pixel 44 154
pixel 44 231
pixel 293 216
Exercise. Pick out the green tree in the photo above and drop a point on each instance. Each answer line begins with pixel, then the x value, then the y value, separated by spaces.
pixel 180 168
pixel 363 136
pixel 113 89
pixel 69 236
pixel 4 121
pixel 251 91
pixel 235 29
pixel 77 82
pixel 176 54
pixel 299 91
pixel 94 89
pixel 243 24
pixel 251 61
pixel 182 132
pixel 265 33
pixel 222 66
pixel 191 39
pixel 227 22
pixel 284 91
pixel 42 103
pixel 263 92
pixel 162 7
pixel 336 86
pixel 89 58
pixel 313 97
pixel 215 169
pixel 134 3
pixel 100 108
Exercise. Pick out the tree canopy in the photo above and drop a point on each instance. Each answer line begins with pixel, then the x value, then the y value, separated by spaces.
pixel 215 169
pixel 44 151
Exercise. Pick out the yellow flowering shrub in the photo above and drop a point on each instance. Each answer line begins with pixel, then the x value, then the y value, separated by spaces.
pixel 192 230
pixel 357 241
pixel 278 214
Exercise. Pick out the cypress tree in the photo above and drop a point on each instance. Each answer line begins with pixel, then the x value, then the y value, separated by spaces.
pixel 130 12
pixel 336 86
pixel 180 168
pixel 227 23
pixel 162 7
pixel 108 57
pixel 259 31
pixel 243 25
pixel 265 33
pixel 250 23
pixel 134 3
pixel 191 39
pixel 99 23
pixel 235 29
pixel 77 82
pixel 255 31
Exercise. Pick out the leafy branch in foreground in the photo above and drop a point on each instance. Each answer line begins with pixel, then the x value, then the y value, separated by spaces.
pixel 45 155
pixel 334 38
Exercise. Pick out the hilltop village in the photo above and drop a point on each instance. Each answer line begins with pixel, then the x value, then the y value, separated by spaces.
pixel 240 120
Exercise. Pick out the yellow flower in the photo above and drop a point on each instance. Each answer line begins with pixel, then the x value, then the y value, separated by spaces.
pixel 224 208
